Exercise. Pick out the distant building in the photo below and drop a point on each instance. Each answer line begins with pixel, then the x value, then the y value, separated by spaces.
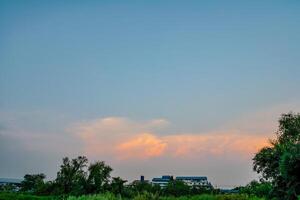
pixel 194 180
pixel 189 180
pixel 163 181
pixel 142 180
pixel 10 181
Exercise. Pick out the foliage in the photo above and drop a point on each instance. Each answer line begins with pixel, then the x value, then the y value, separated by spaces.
pixel 17 196
pixel 150 196
pixel 146 195
pixel 213 197
pixel 8 188
pixel 280 163
pixel 259 189
pixel 98 179
pixel 117 186
pixel 71 177
pixel 75 177
pixel 106 196
pixel 142 186
pixel 177 188
pixel 33 183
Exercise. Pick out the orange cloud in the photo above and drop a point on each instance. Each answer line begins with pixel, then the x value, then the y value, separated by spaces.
pixel 215 144
pixel 142 146
pixel 122 139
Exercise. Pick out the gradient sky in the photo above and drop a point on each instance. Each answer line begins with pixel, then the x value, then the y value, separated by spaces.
pixel 151 87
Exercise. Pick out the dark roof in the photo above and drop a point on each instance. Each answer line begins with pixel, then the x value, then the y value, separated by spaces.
pixel 160 180
pixel 192 178
pixel 10 180
pixel 164 178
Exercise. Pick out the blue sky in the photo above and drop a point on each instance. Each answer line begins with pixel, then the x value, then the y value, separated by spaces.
pixel 199 65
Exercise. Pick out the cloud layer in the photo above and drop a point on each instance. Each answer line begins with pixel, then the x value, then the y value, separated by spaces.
pixel 124 139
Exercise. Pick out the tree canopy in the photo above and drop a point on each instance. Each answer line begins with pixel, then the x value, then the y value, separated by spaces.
pixel 280 162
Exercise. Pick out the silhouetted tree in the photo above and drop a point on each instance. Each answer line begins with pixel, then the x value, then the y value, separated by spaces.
pixel 259 189
pixel 72 175
pixel 117 185
pixel 280 163
pixel 32 182
pixel 99 175
pixel 177 188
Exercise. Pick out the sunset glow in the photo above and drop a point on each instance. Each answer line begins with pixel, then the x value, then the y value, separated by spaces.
pixel 150 87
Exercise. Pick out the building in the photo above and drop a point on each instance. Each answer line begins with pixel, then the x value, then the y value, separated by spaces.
pixel 10 181
pixel 199 181
pixel 194 180
pixel 142 180
pixel 163 181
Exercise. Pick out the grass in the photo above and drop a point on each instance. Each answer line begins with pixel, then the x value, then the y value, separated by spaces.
pixel 143 196
pixel 147 196
pixel 17 196
pixel 107 196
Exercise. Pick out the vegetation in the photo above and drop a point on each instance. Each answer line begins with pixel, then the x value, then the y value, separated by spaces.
pixel 18 196
pixel 278 164
pixel 149 196
pixel 259 189
pixel 111 196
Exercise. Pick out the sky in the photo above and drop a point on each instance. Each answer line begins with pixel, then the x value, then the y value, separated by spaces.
pixel 150 87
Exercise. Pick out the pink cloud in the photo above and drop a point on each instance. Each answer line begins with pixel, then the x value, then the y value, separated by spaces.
pixel 142 146
pixel 123 139
pixel 214 144
pixel 120 138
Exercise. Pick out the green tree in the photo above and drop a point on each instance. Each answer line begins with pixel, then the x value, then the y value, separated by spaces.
pixel 32 183
pixel 99 176
pixel 144 186
pixel 177 188
pixel 117 185
pixel 71 179
pixel 259 189
pixel 290 169
pixel 280 162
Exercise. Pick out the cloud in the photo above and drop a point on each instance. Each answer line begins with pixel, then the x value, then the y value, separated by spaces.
pixel 214 144
pixel 123 139
pixel 120 137
pixel 142 146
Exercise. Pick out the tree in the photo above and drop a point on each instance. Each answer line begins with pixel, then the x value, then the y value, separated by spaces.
pixel 32 183
pixel 99 175
pixel 117 185
pixel 141 186
pixel 280 163
pixel 259 189
pixel 289 166
pixel 72 175
pixel 177 188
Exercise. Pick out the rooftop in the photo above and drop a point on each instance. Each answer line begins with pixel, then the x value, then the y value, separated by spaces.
pixel 192 178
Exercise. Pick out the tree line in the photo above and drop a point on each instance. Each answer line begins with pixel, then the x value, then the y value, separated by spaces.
pixel 77 177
